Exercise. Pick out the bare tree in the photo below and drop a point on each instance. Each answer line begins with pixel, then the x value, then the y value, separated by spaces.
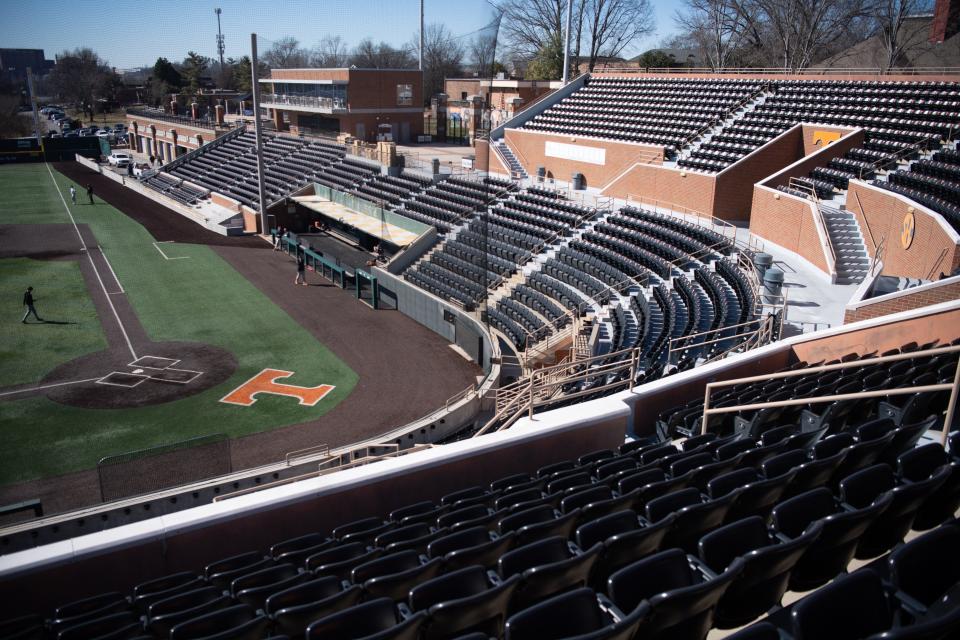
pixel 895 32
pixel 286 53
pixel 601 28
pixel 799 32
pixel 530 25
pixel 368 55
pixel 330 52
pixel 81 76
pixel 483 51
pixel 716 26
pixel 442 57
pixel 612 25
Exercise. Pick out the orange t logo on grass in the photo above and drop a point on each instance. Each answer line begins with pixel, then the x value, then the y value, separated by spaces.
pixel 266 382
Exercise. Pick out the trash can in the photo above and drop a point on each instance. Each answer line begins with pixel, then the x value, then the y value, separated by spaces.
pixel 435 164
pixel 577 182
pixel 541 174
pixel 773 285
pixel 762 261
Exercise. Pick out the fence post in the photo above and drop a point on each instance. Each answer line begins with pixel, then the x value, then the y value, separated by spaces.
pixel 633 368
pixel 951 405
pixel 530 409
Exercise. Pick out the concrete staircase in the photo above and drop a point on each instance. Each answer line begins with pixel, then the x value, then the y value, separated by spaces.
pixel 515 167
pixel 848 245
pixel 758 99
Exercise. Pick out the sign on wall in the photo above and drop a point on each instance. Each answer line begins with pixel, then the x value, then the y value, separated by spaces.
pixel 907 229
pixel 823 138
pixel 577 153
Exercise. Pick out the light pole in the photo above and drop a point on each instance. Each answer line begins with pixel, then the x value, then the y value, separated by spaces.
pixel 220 47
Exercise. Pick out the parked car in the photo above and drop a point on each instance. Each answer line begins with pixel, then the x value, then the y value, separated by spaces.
pixel 139 169
pixel 120 158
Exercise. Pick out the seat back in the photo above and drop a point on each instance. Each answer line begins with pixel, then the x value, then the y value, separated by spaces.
pixel 602 528
pixel 792 516
pixel 212 623
pixel 302 594
pixel 854 606
pixel 688 612
pixel 641 580
pixel 920 462
pixel 927 566
pixel 545 580
pixel 663 506
pixel 378 616
pixel 449 586
pixel 485 611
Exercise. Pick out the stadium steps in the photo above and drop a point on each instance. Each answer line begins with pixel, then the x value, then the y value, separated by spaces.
pixel 848 245
pixel 758 99
pixel 511 159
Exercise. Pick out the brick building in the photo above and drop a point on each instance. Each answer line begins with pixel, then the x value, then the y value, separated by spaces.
pixel 502 98
pixel 365 103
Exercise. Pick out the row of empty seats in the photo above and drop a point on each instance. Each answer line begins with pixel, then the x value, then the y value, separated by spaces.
pixel 657 540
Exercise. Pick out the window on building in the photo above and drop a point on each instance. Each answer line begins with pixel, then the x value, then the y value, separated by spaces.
pixel 405 95
pixel 463 95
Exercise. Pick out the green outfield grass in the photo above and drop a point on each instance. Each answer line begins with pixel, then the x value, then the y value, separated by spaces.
pixel 29 351
pixel 201 299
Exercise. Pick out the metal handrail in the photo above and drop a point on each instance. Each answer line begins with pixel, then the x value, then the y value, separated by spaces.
pixel 936 264
pixel 951 406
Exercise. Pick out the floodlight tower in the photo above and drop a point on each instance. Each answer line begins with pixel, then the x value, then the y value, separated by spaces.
pixel 220 47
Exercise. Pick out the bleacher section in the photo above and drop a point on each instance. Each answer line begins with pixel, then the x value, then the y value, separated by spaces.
pixel 230 168
pixel 664 112
pixel 654 539
pixel 895 116
pixel 176 188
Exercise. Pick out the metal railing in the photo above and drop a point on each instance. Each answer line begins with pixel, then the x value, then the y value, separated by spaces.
pixel 540 388
pixel 869 71
pixel 936 265
pixel 876 393
pixel 159 114
pixel 310 102
pixel 324 468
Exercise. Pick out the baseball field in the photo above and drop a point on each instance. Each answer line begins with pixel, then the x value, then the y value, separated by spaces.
pixel 147 341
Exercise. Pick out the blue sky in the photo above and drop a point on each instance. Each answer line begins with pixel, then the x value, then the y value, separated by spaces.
pixel 130 33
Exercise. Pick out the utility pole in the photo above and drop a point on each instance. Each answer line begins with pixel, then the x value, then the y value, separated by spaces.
pixel 220 47
pixel 255 94
pixel 421 35
pixel 33 106
pixel 566 44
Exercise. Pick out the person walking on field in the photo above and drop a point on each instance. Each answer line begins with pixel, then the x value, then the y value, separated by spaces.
pixel 301 270
pixel 73 194
pixel 28 303
pixel 90 192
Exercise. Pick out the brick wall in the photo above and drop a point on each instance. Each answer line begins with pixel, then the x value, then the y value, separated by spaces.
pixel 883 212
pixel 673 187
pixel 909 299
pixel 529 148
pixel 789 222
pixel 943 326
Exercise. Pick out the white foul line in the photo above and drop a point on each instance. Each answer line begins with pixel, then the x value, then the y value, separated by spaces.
pixel 106 293
pixel 156 246
pixel 46 386
pixel 112 272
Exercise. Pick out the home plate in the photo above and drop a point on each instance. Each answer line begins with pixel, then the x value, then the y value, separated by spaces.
pixel 153 362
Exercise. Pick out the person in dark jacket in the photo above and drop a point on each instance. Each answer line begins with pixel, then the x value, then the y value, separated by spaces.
pixel 301 269
pixel 28 303
pixel 90 192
